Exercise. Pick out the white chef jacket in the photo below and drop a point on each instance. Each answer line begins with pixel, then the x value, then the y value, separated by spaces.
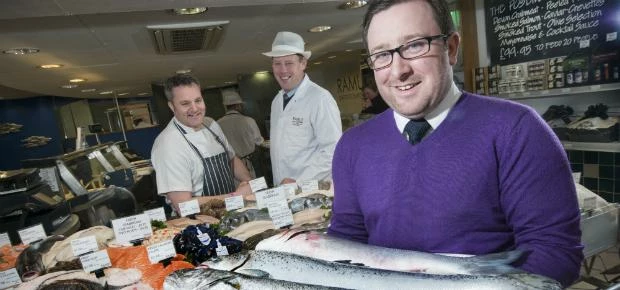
pixel 241 131
pixel 304 135
pixel 177 166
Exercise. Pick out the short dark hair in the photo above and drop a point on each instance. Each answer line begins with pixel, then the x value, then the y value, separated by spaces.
pixel 441 13
pixel 178 80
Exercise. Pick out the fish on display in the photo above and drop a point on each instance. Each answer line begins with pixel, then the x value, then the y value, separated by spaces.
pixel 324 247
pixel 315 200
pixel 216 279
pixel 301 269
pixel 234 219
pixel 29 264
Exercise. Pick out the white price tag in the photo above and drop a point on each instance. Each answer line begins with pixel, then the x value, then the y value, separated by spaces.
pixel 565 90
pixel 576 177
pixel 9 278
pixel 584 43
pixel 95 261
pixel 161 251
pixel 234 202
pixel 595 87
pixel 289 189
pixel 280 214
pixel 589 203
pixel 32 234
pixel 265 197
pixel 221 250
pixel 258 184
pixel 131 228
pixel 84 245
pixel 4 240
pixel 189 207
pixel 156 214
pixel 612 36
pixel 309 185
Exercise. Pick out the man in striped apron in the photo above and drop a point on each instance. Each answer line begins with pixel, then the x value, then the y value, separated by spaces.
pixel 191 156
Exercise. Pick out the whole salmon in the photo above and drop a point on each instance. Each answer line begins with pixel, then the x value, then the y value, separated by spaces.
pixel 306 270
pixel 216 279
pixel 324 247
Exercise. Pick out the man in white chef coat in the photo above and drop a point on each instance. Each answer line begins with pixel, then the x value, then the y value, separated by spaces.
pixel 305 120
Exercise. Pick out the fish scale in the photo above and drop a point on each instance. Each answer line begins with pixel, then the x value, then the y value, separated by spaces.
pixel 301 269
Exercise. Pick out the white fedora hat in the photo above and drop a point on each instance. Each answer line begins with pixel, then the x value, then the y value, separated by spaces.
pixel 287 43
pixel 231 97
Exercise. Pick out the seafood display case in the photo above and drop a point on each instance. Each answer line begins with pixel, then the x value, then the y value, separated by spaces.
pixel 28 199
pixel 94 182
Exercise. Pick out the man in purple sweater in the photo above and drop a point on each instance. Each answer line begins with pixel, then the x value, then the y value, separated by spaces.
pixel 445 171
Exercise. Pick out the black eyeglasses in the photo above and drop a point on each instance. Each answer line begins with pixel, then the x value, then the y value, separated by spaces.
pixel 410 50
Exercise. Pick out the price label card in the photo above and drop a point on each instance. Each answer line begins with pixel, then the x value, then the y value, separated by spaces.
pixel 280 214
pixel 95 261
pixel 9 278
pixel 234 202
pixel 576 177
pixel 612 36
pixel 189 207
pixel 258 184
pixel 289 189
pixel 309 185
pixel 32 234
pixel 131 228
pixel 161 251
pixel 84 245
pixel 266 197
pixel 589 203
pixel 221 250
pixel 4 240
pixel 156 214
pixel 595 87
pixel 565 90
pixel 584 43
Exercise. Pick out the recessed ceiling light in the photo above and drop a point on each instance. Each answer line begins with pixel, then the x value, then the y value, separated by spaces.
pixel 318 62
pixel 69 86
pixel 22 50
pixel 184 71
pixel 262 72
pixel 50 66
pixel 143 94
pixel 189 11
pixel 77 80
pixel 229 82
pixel 123 94
pixel 348 50
pixel 106 92
pixel 353 4
pixel 88 90
pixel 331 56
pixel 320 28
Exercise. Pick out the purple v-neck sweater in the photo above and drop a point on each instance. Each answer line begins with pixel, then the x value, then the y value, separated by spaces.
pixel 492 177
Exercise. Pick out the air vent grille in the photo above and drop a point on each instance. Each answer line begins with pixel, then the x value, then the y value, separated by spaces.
pixel 184 38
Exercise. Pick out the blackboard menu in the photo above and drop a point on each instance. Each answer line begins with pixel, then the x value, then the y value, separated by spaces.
pixel 525 30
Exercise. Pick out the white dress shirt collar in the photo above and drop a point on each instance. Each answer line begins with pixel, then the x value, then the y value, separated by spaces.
pixel 436 116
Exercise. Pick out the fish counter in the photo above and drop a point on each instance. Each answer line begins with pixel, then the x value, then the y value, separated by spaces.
pixel 245 248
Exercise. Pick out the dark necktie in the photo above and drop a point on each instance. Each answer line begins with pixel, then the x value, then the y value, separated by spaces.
pixel 415 130
pixel 287 98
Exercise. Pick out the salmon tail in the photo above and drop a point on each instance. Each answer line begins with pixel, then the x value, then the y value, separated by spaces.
pixel 496 263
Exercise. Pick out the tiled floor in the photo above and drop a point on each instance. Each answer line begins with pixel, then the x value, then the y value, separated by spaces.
pixel 604 261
